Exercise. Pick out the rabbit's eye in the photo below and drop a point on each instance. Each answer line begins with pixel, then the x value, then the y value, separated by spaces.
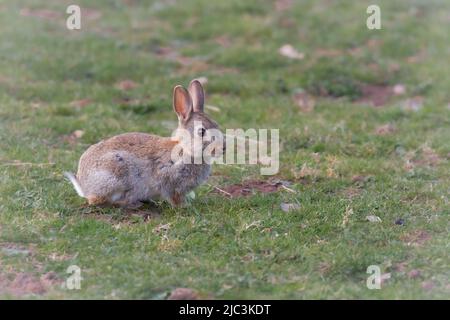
pixel 201 132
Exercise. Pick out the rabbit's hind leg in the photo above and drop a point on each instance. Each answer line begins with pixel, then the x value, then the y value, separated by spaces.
pixel 114 198
pixel 126 199
pixel 95 200
pixel 105 190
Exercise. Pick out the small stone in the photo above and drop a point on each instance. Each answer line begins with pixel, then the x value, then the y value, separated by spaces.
pixel 399 89
pixel 287 207
pixel 373 218
pixel 289 51
pixel 78 133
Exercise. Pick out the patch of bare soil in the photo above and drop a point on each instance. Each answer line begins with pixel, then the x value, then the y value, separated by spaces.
pixel 80 103
pixel 419 57
pixel 52 15
pixel 429 157
pixel 401 266
pixel 224 41
pixel 146 213
pixel 126 85
pixel 324 268
pixel 385 129
pixel 376 95
pixel 129 216
pixel 11 249
pixel 41 13
pixel 171 54
pixel 416 238
pixel 183 294
pixel 73 138
pixel 24 283
pixel 425 157
pixel 249 188
pixel 283 5
pixel 329 53
pixel 91 14
pixel 190 65
pixel 304 101
pixel 371 44
pixel 351 192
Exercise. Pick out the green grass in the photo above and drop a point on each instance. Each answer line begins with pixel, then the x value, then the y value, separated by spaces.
pixel 209 246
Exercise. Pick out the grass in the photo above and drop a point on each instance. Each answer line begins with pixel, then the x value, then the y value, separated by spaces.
pixel 246 247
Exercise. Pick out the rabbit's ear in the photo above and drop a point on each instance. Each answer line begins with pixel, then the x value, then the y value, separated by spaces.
pixel 197 95
pixel 182 103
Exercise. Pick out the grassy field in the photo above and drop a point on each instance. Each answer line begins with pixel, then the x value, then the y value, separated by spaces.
pixel 364 119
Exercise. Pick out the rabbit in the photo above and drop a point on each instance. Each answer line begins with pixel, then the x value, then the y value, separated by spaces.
pixel 129 169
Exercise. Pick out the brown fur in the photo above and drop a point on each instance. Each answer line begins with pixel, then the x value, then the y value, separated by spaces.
pixel 133 167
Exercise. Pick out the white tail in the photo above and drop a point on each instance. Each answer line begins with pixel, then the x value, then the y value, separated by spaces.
pixel 76 184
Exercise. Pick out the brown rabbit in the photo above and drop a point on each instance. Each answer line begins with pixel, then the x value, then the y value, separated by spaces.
pixel 132 168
